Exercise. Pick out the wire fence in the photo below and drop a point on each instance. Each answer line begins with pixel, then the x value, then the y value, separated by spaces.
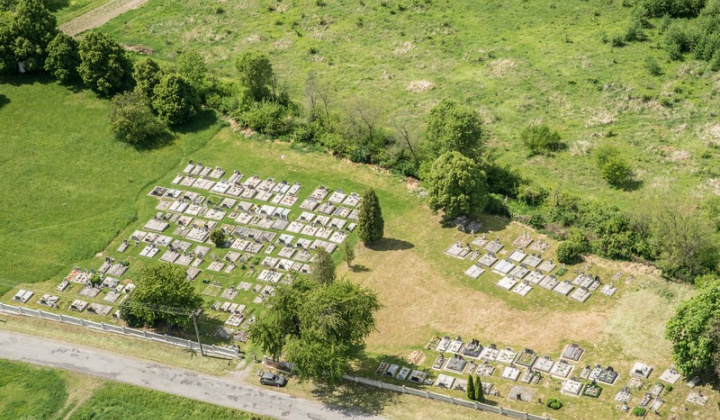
pixel 444 398
pixel 208 350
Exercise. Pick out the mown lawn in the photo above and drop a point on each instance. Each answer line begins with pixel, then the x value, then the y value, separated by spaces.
pixel 27 392
pixel 68 186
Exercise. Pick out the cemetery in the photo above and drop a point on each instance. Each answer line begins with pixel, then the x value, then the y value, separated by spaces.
pixel 272 233
pixel 520 269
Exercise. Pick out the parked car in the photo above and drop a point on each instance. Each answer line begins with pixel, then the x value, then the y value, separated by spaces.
pixel 272 379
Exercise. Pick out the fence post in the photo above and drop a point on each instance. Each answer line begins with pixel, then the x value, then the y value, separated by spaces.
pixel 82 322
pixel 104 327
pixel 477 407
pixel 501 411
pixel 123 330
pixel 452 400
pixel 403 389
pixel 62 318
pixel 144 333
pixel 20 309
pixel 526 416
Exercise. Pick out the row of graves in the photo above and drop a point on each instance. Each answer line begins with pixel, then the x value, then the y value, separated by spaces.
pixel 458 358
pixel 91 291
pixel 272 233
pixel 525 268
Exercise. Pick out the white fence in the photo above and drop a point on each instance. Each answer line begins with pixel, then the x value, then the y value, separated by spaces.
pixel 444 398
pixel 214 351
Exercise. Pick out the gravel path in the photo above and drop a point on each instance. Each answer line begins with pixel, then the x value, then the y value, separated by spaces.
pixel 224 391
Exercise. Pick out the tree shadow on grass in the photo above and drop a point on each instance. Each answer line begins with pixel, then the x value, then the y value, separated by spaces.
pixel 632 185
pixel 19 79
pixel 391 244
pixel 352 399
pixel 203 120
pixel 4 100
pixel 359 268
pixel 167 138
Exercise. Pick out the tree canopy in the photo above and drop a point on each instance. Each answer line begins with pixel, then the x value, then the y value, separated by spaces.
pixel 63 58
pixel 319 329
pixel 132 120
pixel 256 74
pixel 693 331
pixel 104 66
pixel 175 100
pixel 452 127
pixel 31 29
pixel 192 66
pixel 323 268
pixel 161 286
pixel 147 75
pixel 371 225
pixel 457 186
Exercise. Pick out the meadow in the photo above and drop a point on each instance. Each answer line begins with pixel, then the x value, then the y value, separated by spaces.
pixel 516 62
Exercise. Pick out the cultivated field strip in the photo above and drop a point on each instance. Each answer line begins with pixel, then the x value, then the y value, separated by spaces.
pixel 99 16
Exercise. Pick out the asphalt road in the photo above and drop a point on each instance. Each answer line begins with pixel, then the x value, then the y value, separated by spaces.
pixel 227 392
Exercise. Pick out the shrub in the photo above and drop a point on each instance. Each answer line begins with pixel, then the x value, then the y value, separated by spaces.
pixel 616 172
pixel 652 66
pixel 267 117
pixel 218 238
pixel 554 403
pixel 639 411
pixel 539 139
pixel 569 252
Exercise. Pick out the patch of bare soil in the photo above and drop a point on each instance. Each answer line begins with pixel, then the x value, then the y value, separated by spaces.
pixel 99 16
pixel 419 86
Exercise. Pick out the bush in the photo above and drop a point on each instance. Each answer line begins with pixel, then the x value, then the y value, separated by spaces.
pixel 267 117
pixel 616 172
pixel 539 139
pixel 569 252
pixel 532 195
pixel 652 66
pixel 554 403
pixel 218 238
pixel 639 411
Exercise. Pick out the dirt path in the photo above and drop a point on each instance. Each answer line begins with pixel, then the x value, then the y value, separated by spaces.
pixel 99 16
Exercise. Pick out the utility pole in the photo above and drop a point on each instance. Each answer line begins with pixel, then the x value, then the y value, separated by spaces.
pixel 194 316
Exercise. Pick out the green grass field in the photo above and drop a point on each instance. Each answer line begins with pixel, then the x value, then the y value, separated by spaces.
pixel 28 392
pixel 69 187
pixel 517 62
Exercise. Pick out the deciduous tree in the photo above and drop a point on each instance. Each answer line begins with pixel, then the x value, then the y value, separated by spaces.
pixel 256 74
pixel 456 185
pixel 693 332
pixel 175 100
pixel 318 328
pixel 452 127
pixel 32 27
pixel 132 120
pixel 104 66
pixel 63 58
pixel 348 253
pixel 147 75
pixel 161 287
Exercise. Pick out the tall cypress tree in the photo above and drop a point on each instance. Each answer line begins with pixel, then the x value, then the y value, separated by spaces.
pixel 470 388
pixel 370 220
pixel 479 394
